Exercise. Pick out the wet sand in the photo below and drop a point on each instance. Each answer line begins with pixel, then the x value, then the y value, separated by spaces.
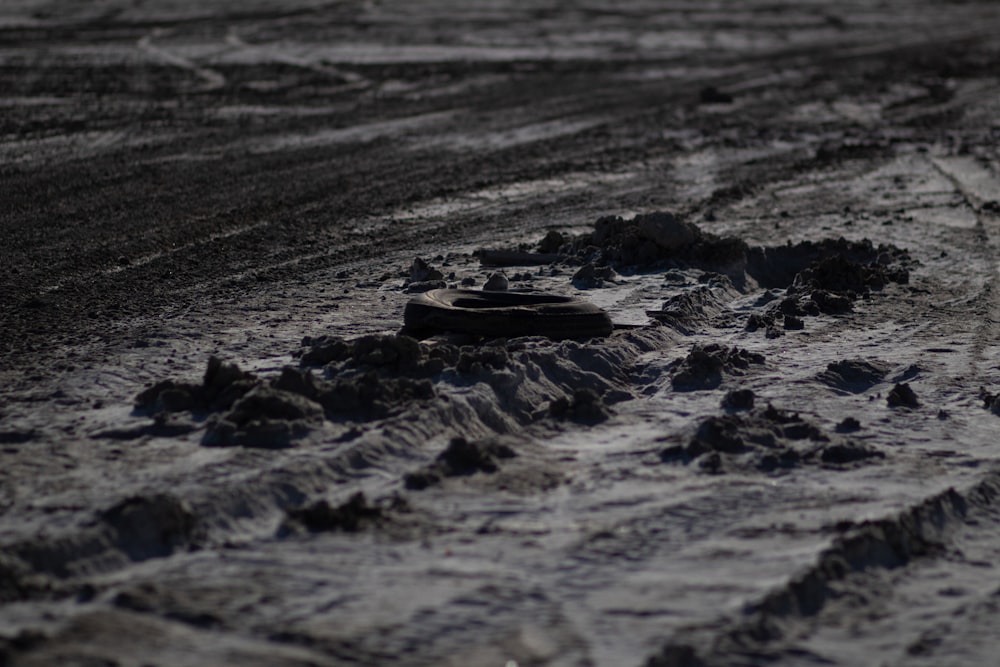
pixel 217 448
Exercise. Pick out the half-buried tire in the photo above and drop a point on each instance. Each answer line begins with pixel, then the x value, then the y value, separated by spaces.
pixel 504 315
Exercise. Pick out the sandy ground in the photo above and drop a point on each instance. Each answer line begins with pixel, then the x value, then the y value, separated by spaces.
pixel 236 180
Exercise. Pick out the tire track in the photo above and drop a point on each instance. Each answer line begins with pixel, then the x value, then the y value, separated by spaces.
pixel 213 80
pixel 878 569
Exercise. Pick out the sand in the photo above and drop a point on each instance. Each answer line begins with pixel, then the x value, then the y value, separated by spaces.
pixel 218 447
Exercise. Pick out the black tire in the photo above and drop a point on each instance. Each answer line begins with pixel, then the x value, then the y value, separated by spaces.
pixel 504 315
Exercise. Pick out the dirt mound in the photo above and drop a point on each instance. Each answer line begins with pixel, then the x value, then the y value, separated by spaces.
pixel 706 366
pixel 266 418
pixel 660 240
pixel 767 440
pixel 353 515
pixel 358 394
pixel 461 458
pixel 371 377
pixel 223 384
pixel 819 277
pixel 698 306
pixel 504 383
pixel 385 353
pixel 836 265
pixel 657 240
pixel 387 371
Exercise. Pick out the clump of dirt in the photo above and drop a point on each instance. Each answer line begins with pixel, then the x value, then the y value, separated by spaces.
pixel 266 417
pixel 990 401
pixel 389 354
pixel 423 277
pixel 657 240
pixel 705 366
pixel 552 243
pixel 461 458
pixel 848 425
pixel 853 376
pixel 584 407
pixel 902 396
pixel 352 516
pixel 590 276
pixel 841 275
pixel 835 265
pixel 765 439
pixel 738 399
pixel 823 277
pixel 223 384
pixel 370 377
pixel 362 395
pixel 474 359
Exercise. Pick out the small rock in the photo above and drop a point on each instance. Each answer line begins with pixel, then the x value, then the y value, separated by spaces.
pixel 902 395
pixel 497 282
